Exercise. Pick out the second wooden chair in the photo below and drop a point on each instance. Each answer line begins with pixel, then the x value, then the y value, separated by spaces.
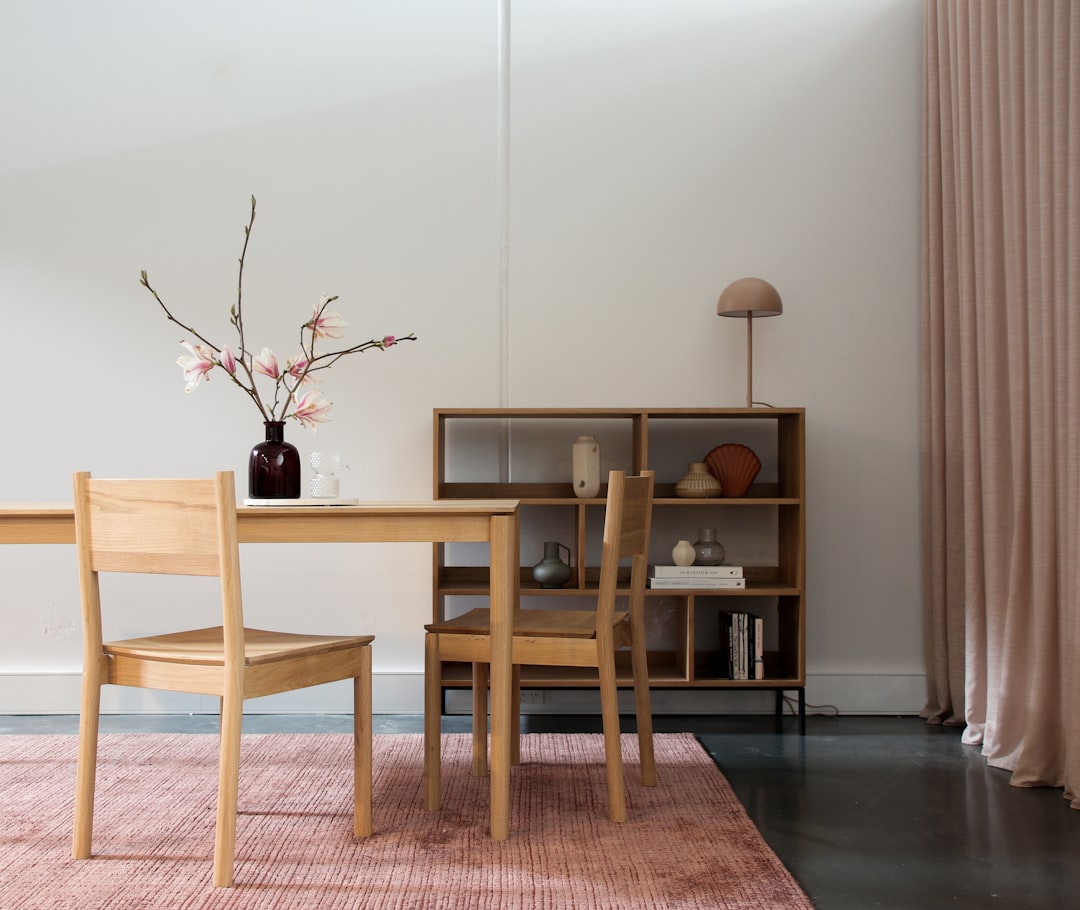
pixel 563 638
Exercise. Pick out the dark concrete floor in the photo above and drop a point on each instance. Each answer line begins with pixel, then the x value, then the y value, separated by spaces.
pixel 866 812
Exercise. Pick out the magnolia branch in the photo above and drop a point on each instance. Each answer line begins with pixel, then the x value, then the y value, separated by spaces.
pixel 308 408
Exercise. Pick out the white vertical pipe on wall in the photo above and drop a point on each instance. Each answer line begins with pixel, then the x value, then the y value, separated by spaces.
pixel 503 195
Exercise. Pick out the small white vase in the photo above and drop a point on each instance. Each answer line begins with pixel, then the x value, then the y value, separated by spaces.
pixel 586 459
pixel 683 553
pixel 324 482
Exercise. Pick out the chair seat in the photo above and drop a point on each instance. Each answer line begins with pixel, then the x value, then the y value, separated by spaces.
pixel 529 623
pixel 206 647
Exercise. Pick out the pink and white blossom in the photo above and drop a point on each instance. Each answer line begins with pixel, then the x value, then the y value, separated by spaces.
pixel 228 360
pixel 326 323
pixel 296 368
pixel 266 363
pixel 312 408
pixel 197 365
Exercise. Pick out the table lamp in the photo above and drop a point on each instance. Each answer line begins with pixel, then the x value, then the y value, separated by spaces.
pixel 749 298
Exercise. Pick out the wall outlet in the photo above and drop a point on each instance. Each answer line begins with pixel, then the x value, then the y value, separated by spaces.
pixel 532 696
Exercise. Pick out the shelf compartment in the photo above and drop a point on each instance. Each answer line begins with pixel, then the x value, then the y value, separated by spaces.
pixel 760 581
pixel 457 588
pixel 558 493
pixel 665 668
pixel 525 453
pixel 757 495
pixel 776 678
pixel 780 674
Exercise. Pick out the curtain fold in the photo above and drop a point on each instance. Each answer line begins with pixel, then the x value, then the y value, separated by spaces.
pixel 1001 381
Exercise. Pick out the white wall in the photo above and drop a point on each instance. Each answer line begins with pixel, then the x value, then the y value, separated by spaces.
pixel 658 152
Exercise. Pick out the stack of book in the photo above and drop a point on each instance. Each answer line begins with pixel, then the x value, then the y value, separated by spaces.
pixel 742 645
pixel 696 577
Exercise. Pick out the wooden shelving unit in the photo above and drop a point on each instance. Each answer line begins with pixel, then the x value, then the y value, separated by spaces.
pixel 525 454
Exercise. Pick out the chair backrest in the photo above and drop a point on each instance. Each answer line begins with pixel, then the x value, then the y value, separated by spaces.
pixel 165 527
pixel 626 534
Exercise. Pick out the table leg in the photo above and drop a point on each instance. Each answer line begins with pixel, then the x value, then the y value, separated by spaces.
pixel 504 599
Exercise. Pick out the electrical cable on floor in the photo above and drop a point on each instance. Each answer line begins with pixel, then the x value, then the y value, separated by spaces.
pixel 823 710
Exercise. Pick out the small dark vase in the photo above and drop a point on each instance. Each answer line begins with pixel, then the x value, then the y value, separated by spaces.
pixel 274 466
pixel 551 571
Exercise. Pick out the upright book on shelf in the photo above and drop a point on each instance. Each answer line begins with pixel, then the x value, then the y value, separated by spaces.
pixel 759 647
pixel 732 633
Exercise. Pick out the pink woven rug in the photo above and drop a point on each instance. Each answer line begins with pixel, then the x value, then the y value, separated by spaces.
pixel 688 842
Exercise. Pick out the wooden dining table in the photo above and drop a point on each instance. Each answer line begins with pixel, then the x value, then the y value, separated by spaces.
pixel 494 521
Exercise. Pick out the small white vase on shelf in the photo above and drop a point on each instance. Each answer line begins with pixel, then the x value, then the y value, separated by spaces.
pixel 586 459
pixel 683 554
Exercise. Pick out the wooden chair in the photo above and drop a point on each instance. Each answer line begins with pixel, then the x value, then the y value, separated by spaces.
pixel 562 638
pixel 188 527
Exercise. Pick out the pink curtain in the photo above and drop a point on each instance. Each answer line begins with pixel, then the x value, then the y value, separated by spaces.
pixel 1001 381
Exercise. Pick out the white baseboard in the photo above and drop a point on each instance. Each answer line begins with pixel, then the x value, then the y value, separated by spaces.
pixel 59 693
pixel 403 693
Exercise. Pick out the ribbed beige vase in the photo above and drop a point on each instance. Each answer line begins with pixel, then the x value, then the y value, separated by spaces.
pixel 698 483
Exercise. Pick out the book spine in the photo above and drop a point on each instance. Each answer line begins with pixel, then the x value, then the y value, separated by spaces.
pixel 751 640
pixel 759 648
pixel 729 629
pixel 696 571
pixel 697 583
pixel 742 646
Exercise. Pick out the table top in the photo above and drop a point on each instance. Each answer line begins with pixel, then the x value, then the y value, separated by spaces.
pixel 412 520
pixel 378 507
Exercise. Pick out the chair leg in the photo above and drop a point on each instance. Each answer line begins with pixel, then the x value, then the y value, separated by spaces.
pixel 362 746
pixel 643 707
pixel 480 674
pixel 609 705
pixel 86 772
pixel 515 719
pixel 232 715
pixel 481 679
pixel 432 722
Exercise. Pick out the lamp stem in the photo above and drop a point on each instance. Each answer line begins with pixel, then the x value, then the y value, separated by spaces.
pixel 749 360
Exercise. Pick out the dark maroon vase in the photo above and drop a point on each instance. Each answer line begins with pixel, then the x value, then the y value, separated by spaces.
pixel 274 466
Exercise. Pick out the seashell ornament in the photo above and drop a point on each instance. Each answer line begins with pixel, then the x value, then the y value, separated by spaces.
pixel 735 466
